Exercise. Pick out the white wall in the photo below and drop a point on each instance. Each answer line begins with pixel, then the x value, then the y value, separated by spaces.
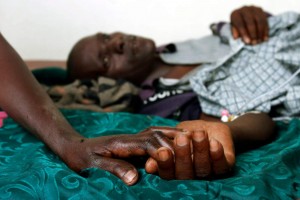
pixel 47 29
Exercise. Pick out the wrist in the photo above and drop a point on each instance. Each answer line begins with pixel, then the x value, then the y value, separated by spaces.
pixel 63 140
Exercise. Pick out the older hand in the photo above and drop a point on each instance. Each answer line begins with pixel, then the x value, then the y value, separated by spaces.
pixel 105 152
pixel 206 150
pixel 250 23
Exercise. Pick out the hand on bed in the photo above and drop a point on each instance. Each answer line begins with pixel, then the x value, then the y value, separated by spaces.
pixel 108 152
pixel 250 23
pixel 208 150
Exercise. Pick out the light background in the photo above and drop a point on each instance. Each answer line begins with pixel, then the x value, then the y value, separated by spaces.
pixel 47 29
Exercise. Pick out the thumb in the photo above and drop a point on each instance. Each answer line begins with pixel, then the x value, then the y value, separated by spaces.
pixel 151 166
pixel 120 168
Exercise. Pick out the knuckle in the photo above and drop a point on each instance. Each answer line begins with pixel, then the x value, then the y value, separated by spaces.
pixel 149 130
pixel 234 13
pixel 121 170
pixel 182 124
pixel 261 21
pixel 244 7
pixel 260 9
pixel 240 25
pixel 247 7
pixel 153 128
pixel 158 134
pixel 95 160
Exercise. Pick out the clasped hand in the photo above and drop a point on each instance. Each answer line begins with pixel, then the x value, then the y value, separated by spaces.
pixel 206 149
pixel 195 149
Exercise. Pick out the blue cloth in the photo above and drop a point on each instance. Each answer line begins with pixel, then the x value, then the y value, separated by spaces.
pixel 29 170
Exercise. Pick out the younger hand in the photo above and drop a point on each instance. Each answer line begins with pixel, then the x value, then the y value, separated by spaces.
pixel 250 23
pixel 205 151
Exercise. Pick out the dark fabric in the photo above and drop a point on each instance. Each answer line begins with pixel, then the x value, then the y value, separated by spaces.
pixel 51 76
pixel 101 95
pixel 29 170
pixel 118 95
pixel 180 107
pixel 168 102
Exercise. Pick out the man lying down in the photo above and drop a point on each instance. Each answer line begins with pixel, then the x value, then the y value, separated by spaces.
pixel 244 74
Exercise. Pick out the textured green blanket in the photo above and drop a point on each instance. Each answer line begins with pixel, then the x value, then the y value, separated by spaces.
pixel 29 170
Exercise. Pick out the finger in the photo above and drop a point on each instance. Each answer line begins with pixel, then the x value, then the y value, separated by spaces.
pixel 234 32
pixel 190 126
pixel 169 132
pixel 238 22
pixel 261 23
pixel 266 31
pixel 166 167
pixel 144 144
pixel 219 162
pixel 183 159
pixel 161 138
pixel 122 169
pixel 151 166
pixel 250 23
pixel 157 141
pixel 202 163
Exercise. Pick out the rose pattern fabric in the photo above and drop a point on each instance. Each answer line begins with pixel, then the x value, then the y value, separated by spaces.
pixel 29 170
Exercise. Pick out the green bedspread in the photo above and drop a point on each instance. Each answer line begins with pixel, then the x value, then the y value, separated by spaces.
pixel 29 170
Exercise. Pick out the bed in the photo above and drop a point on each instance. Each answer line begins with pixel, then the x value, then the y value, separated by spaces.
pixel 29 170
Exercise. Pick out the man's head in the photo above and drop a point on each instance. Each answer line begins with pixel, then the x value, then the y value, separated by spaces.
pixel 115 55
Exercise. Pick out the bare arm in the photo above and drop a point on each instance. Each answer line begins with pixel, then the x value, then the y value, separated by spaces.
pixel 251 130
pixel 214 145
pixel 25 101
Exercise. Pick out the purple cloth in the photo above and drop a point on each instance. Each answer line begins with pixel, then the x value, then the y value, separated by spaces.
pixel 168 102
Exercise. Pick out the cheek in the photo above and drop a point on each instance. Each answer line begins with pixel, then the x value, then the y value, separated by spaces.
pixel 120 66
pixel 124 66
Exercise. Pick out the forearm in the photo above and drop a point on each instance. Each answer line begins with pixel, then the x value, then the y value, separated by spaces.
pixel 251 130
pixel 26 102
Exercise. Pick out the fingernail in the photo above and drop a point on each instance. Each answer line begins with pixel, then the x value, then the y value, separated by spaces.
pixel 246 40
pixel 181 140
pixel 213 145
pixel 266 38
pixel 130 176
pixel 254 42
pixel 198 136
pixel 163 155
pixel 184 131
